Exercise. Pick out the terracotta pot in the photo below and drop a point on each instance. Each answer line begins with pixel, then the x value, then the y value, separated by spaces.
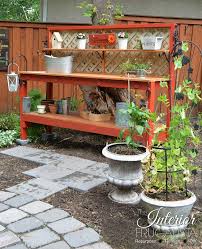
pixel 99 117
pixel 46 102
pixel 52 108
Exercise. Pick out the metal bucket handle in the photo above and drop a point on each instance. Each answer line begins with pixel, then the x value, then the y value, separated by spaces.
pixel 147 71
pixel 11 64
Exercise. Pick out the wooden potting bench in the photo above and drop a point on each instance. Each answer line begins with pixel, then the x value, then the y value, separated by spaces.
pixel 105 78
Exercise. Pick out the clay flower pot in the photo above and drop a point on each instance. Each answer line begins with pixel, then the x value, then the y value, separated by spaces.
pixel 52 108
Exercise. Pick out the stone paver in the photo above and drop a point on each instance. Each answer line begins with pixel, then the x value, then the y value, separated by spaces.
pixel 37 188
pixel 25 225
pixel 66 225
pixel 33 154
pixel 49 172
pixel 52 215
pixel 3 207
pixel 57 245
pixel 39 238
pixel 82 237
pixel 18 246
pixel 82 181
pixel 98 169
pixel 74 163
pixel 5 195
pixel 2 228
pixel 8 238
pixel 19 151
pixel 99 245
pixel 11 215
pixel 19 200
pixel 38 224
pixel 36 207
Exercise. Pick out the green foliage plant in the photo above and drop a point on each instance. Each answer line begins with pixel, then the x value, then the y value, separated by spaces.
pixel 20 10
pixel 104 16
pixel 9 121
pixel 7 138
pixel 36 98
pixel 182 142
pixel 131 66
pixel 35 130
pixel 138 123
pixel 9 129
pixel 75 104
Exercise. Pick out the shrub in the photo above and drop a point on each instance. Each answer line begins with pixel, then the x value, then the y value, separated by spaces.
pixel 34 132
pixel 7 138
pixel 10 121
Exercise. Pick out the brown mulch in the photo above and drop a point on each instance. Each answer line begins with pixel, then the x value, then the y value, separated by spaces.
pixel 11 170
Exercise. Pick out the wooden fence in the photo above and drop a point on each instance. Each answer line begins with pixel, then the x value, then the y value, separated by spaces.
pixel 28 39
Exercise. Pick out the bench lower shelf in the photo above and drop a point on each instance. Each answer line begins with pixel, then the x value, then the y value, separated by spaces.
pixel 75 122
pixel 72 122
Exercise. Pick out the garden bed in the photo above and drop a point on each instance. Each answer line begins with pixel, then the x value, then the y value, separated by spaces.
pixel 116 223
pixel 11 170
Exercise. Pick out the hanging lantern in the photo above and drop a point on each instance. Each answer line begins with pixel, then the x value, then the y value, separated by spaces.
pixel 13 78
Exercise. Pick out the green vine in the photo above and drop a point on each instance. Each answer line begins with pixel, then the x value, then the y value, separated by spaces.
pixel 182 142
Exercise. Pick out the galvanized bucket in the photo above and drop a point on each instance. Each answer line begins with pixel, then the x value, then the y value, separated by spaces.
pixel 61 65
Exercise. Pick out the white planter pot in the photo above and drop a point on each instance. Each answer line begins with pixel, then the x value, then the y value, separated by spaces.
pixel 41 109
pixel 82 43
pixel 123 43
pixel 125 172
pixel 177 209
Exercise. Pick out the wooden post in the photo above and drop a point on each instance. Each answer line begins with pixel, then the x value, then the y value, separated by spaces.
pixel 151 105
pixel 23 125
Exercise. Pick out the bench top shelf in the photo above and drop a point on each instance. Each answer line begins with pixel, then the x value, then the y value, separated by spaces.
pixel 27 75
pixel 103 50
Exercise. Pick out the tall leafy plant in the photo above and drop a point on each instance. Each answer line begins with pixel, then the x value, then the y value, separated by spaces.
pixel 138 123
pixel 182 142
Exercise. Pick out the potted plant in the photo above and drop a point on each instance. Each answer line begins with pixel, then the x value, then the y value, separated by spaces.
pixel 139 69
pixel 169 170
pixel 75 105
pixel 123 40
pixel 125 169
pixel 81 39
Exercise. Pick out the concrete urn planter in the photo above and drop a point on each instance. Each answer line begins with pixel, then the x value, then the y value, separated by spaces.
pixel 125 172
pixel 158 210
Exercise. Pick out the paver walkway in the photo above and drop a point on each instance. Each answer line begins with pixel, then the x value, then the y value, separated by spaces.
pixel 27 222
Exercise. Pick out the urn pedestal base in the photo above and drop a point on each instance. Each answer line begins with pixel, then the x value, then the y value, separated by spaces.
pixel 124 196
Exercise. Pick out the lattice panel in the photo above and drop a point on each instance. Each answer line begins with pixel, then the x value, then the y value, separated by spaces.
pixel 92 62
